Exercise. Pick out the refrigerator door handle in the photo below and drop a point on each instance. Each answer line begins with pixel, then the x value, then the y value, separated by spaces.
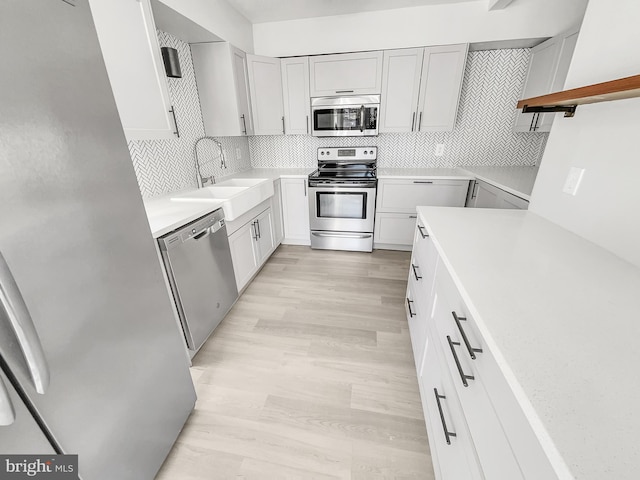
pixel 7 413
pixel 12 302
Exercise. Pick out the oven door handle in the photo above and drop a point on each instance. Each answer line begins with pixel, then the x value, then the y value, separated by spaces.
pixel 362 118
pixel 341 235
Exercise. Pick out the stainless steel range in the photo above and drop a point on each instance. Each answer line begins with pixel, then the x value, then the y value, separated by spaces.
pixel 342 198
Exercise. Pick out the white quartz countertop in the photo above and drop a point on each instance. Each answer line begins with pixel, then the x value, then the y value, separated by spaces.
pixel 165 215
pixel 425 173
pixel 561 316
pixel 515 180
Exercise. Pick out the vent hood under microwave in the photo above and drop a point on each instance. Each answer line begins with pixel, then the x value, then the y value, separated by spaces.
pixel 355 116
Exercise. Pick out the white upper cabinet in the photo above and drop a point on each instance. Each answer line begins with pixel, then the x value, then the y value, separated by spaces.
pixel 548 68
pixel 295 89
pixel 221 75
pixel 127 35
pixel 440 85
pixel 265 87
pixel 400 86
pixel 346 74
pixel 421 88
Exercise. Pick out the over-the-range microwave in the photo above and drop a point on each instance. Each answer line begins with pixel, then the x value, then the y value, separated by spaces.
pixel 355 116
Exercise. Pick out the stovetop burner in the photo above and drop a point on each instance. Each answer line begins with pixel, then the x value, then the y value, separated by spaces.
pixel 345 165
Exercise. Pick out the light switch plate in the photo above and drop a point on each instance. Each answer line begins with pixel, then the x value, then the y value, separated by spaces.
pixel 439 149
pixel 238 154
pixel 573 180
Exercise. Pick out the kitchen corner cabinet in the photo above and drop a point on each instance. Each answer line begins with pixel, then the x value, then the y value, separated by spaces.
pixel 223 88
pixel 346 74
pixel 265 91
pixel 129 44
pixel 251 245
pixel 396 207
pixel 421 88
pixel 547 72
pixel 485 195
pixel 296 97
pixel 295 211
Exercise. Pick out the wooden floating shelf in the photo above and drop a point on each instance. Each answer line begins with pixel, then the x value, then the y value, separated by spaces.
pixel 566 101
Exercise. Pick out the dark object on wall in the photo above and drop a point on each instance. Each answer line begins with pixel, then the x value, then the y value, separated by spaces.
pixel 171 62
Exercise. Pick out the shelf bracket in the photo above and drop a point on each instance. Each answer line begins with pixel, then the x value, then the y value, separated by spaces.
pixel 569 110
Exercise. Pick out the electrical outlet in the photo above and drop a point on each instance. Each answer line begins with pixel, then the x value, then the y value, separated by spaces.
pixel 573 180
pixel 439 149
pixel 238 154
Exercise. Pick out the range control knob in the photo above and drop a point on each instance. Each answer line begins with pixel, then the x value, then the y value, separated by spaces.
pixel 321 153
pixel 371 152
pixel 365 152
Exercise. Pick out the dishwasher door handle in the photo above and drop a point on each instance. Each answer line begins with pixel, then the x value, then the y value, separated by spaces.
pixel 203 234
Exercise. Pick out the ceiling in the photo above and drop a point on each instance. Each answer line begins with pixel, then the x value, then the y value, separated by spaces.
pixel 258 11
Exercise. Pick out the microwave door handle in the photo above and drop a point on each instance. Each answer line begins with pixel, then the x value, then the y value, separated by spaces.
pixel 362 118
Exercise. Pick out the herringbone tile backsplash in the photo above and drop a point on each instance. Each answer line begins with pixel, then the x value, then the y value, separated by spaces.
pixel 164 166
pixel 483 134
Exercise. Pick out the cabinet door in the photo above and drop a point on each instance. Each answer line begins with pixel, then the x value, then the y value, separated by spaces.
pixel 239 61
pixel 488 196
pixel 440 85
pixel 127 35
pixel 394 229
pixel 404 195
pixel 276 211
pixel 243 253
pixel 400 88
pixel 265 87
pixel 540 77
pixel 264 230
pixel 296 97
pixel 295 211
pixel 346 74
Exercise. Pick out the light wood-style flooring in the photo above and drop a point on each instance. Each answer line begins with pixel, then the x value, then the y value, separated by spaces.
pixel 310 376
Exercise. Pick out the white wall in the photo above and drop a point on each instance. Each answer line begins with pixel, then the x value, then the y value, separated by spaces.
pixel 416 26
pixel 218 17
pixel 602 138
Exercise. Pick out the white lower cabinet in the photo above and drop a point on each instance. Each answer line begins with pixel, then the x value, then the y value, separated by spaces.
pixel 295 211
pixel 251 245
pixel 463 389
pixel 276 211
pixel 396 204
pixel 485 195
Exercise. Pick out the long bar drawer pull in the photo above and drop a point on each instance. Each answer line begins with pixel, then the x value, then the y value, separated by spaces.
pixel 472 351
pixel 409 302
pixel 447 433
pixel 415 272
pixel 463 376
pixel 422 232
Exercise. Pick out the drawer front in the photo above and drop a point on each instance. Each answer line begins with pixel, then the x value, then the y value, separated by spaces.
pixel 506 445
pixel 403 196
pixel 451 447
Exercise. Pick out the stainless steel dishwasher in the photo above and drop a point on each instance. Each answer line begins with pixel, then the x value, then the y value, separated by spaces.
pixel 200 271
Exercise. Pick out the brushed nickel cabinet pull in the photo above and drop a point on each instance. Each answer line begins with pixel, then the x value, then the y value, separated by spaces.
pixel 447 433
pixel 421 230
pixel 413 120
pixel 472 351
pixel 415 272
pixel 409 302
pixel 463 376
pixel 175 121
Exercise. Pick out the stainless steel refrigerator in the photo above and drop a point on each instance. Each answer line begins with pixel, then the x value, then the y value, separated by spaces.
pixel 91 358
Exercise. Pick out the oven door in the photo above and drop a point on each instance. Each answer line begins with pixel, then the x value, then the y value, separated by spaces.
pixel 342 208
pixel 345 120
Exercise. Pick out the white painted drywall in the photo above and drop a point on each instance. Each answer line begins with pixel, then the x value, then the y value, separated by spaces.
pixel 416 26
pixel 218 17
pixel 602 138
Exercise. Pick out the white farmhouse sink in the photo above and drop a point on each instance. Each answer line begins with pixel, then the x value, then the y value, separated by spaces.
pixel 238 195
pixel 242 182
